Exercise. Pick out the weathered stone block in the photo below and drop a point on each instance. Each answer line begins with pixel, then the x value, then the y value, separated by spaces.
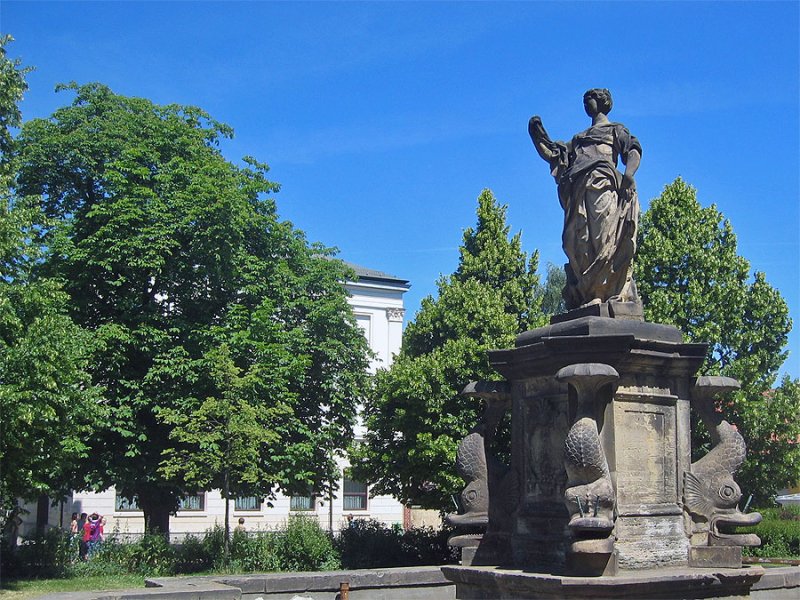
pixel 709 557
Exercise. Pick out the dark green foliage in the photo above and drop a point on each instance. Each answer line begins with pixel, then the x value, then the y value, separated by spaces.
pixel 255 551
pixel 552 300
pixel 301 545
pixel 369 544
pixel 191 556
pixel 304 546
pixel 45 555
pixel 416 416
pixel 47 400
pixel 779 532
pixel 428 546
pixel 690 275
pixel 225 345
pixel 150 555
pixel 213 545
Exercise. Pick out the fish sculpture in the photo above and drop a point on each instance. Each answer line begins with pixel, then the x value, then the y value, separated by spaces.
pixel 710 492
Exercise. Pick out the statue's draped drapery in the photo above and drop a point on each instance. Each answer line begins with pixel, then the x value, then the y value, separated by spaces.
pixel 600 219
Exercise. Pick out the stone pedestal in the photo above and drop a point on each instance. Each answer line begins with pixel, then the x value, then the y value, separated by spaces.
pixel 666 583
pixel 643 425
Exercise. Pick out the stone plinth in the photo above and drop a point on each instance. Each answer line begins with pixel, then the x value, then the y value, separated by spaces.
pixel 643 425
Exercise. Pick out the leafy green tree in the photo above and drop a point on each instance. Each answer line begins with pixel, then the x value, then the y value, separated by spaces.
pixel 690 275
pixel 416 416
pixel 771 423
pixel 46 399
pixel 221 441
pixel 14 87
pixel 552 299
pixel 200 298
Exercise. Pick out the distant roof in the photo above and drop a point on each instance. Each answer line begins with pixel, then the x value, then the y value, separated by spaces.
pixel 365 273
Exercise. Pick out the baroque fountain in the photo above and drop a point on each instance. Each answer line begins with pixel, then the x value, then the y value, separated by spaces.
pixel 600 498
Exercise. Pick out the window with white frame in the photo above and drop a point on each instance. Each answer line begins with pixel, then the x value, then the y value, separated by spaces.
pixel 355 493
pixel 193 503
pixel 302 503
pixel 123 504
pixel 247 503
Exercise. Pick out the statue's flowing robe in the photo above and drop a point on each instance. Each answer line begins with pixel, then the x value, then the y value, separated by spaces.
pixel 600 220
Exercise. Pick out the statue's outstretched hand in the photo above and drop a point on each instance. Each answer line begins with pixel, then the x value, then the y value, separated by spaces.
pixel 535 125
pixel 545 147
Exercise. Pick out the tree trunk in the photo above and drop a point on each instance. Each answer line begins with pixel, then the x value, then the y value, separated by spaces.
pixel 157 505
pixel 42 513
pixel 226 547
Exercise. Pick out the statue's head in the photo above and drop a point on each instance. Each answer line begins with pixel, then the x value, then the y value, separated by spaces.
pixel 602 98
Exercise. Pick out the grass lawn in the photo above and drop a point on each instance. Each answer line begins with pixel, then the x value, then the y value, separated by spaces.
pixel 24 589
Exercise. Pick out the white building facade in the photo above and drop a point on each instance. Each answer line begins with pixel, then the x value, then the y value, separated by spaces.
pixel 377 302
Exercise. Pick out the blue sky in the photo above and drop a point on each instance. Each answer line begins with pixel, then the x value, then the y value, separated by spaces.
pixel 384 121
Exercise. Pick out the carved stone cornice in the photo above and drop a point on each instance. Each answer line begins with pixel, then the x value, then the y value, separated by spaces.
pixel 395 315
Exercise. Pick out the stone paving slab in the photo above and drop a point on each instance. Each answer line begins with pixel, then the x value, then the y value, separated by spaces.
pixel 176 590
pixel 406 582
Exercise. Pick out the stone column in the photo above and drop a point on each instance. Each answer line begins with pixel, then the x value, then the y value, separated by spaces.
pixel 540 422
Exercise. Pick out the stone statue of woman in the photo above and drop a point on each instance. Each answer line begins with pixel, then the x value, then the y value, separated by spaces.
pixel 601 208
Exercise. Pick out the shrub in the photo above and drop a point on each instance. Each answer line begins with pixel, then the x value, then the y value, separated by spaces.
pixel 428 546
pixel 779 532
pixel 214 540
pixel 151 555
pixel 301 545
pixel 369 544
pixel 255 551
pixel 192 556
pixel 47 554
pixel 304 546
pixel 111 557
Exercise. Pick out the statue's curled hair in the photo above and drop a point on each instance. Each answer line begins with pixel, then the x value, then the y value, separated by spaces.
pixel 603 97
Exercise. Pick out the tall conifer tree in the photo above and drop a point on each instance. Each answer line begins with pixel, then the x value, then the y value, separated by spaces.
pixel 690 275
pixel 416 415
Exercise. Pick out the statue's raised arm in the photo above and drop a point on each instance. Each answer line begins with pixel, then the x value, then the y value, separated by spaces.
pixel 555 153
pixel 601 208
pixel 546 147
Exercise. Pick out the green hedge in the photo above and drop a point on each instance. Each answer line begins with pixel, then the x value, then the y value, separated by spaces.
pixel 779 531
pixel 369 544
pixel 44 555
pixel 301 545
